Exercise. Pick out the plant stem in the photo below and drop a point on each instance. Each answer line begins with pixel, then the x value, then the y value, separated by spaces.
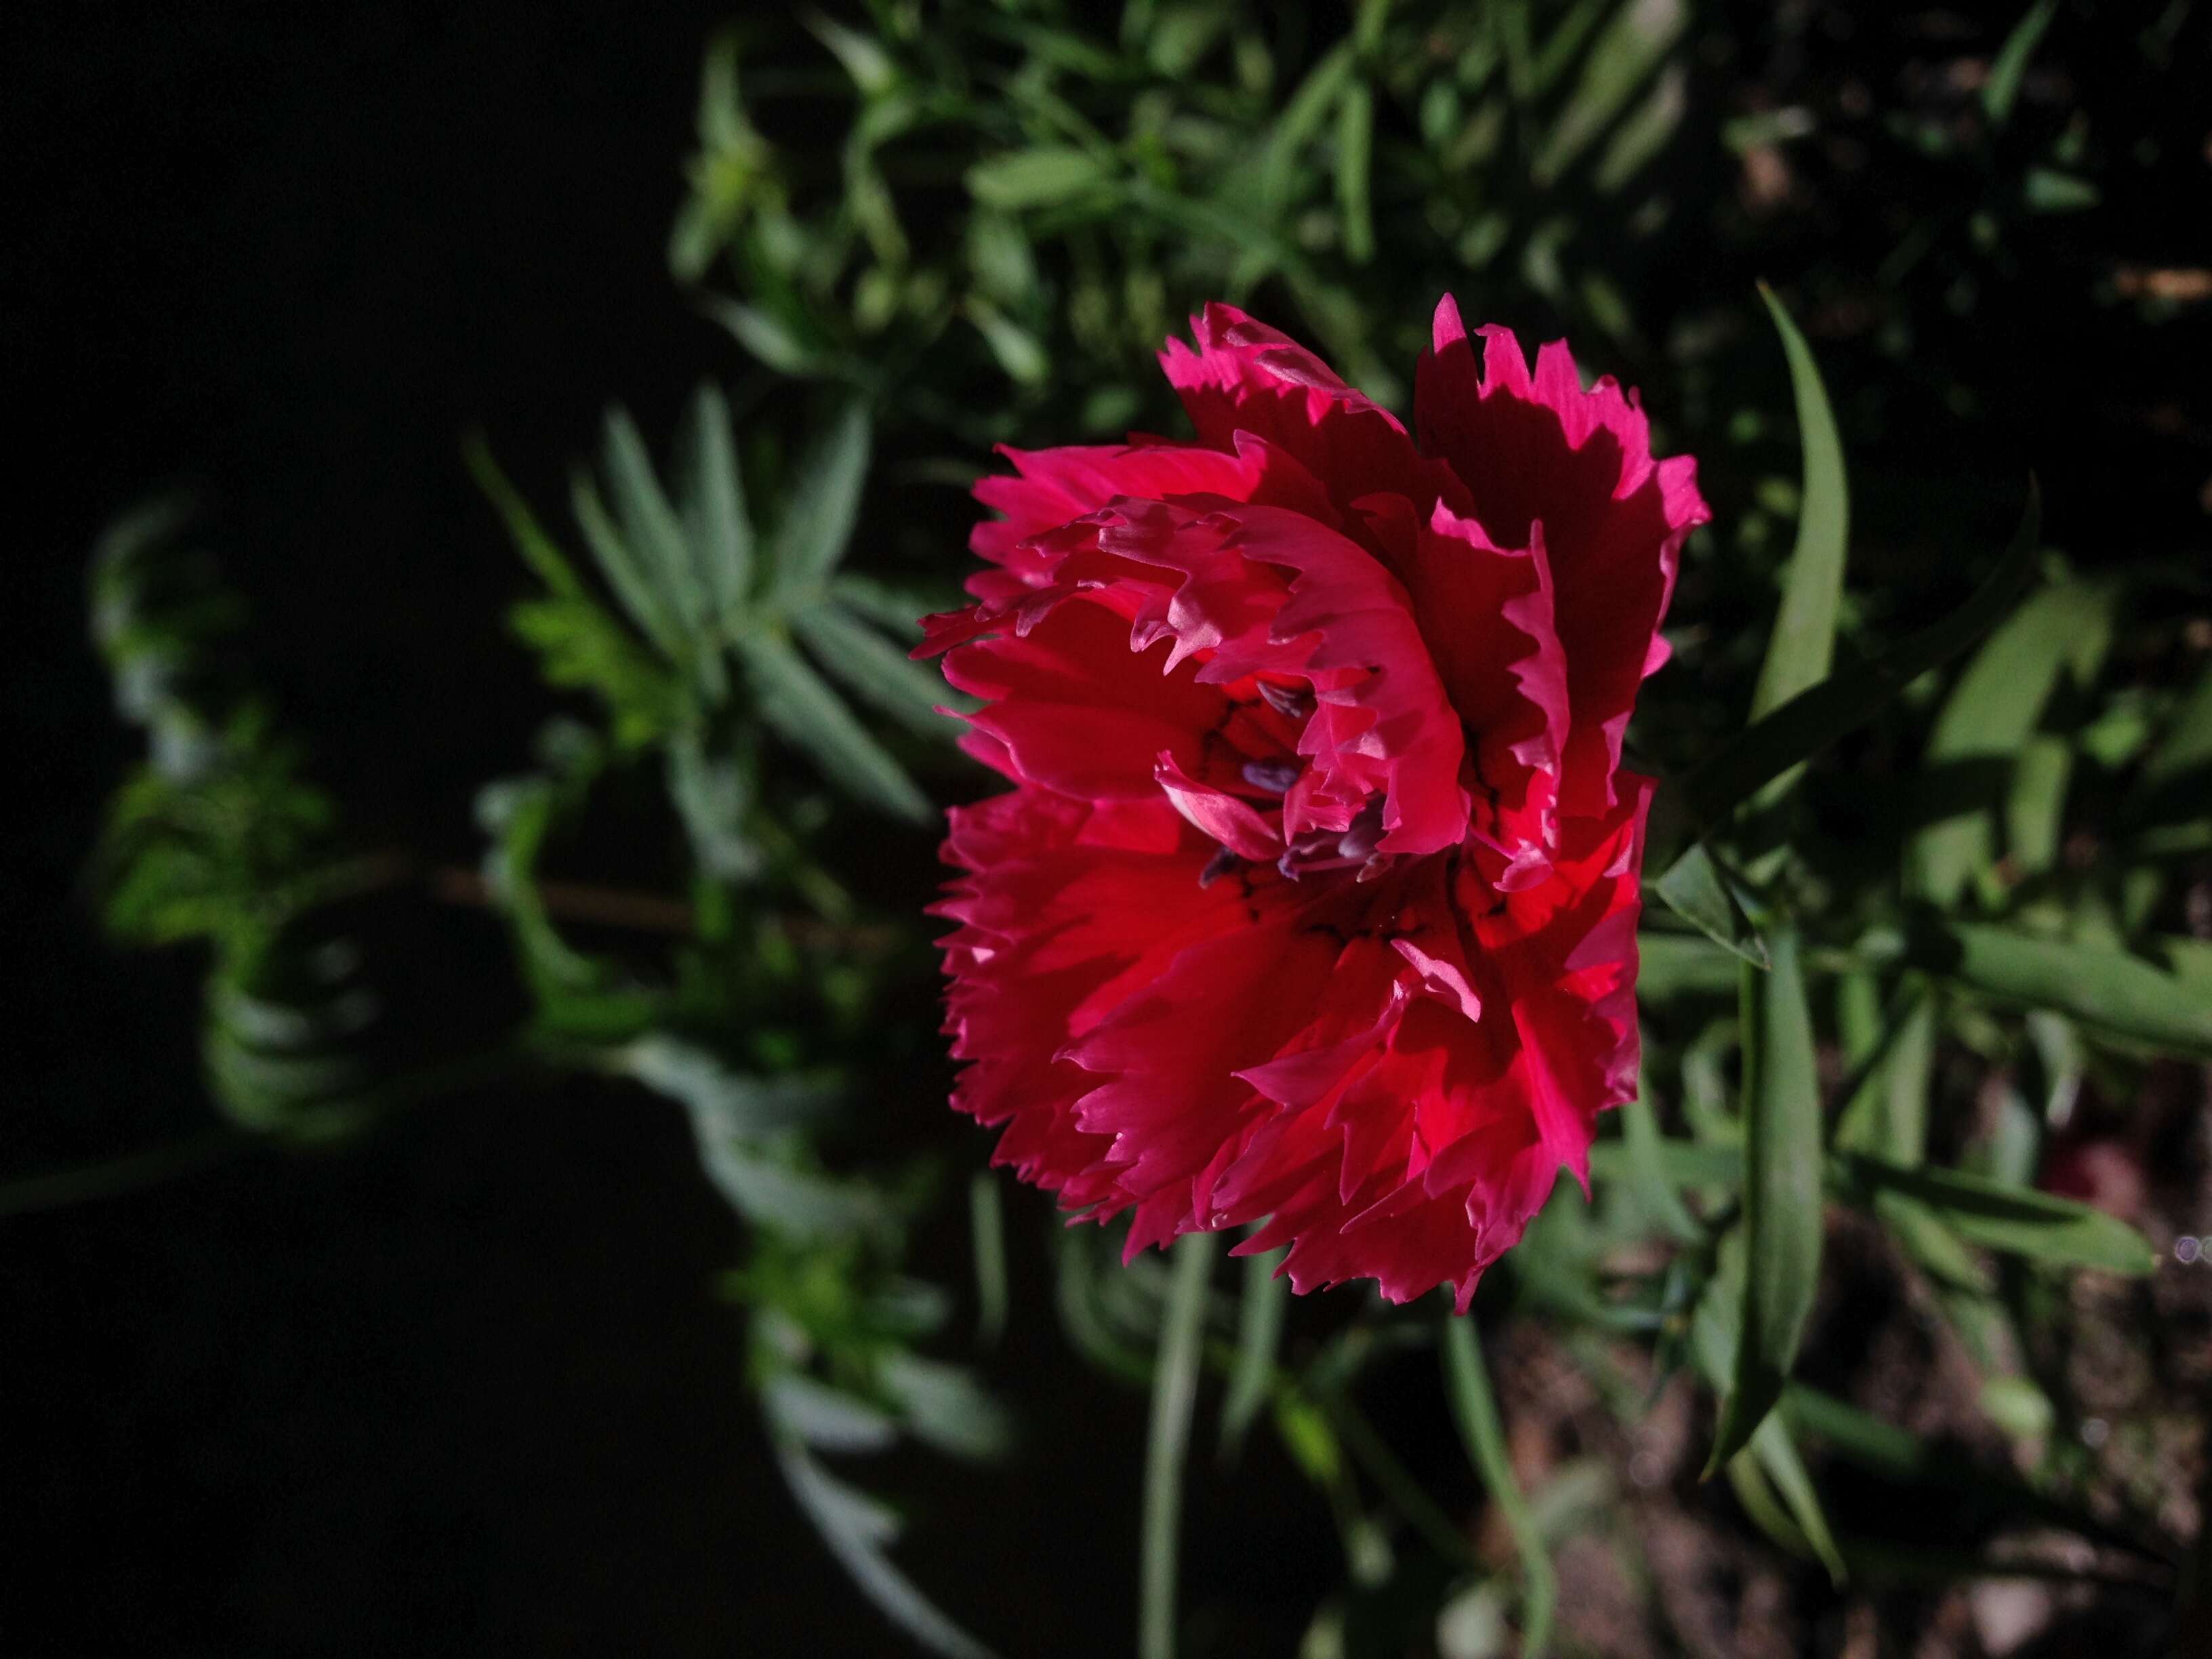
pixel 1475 1410
pixel 131 1172
pixel 1175 1389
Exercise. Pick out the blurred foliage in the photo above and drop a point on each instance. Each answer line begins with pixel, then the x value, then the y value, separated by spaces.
pixel 1931 882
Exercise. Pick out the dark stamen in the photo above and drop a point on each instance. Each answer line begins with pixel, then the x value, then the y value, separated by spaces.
pixel 1275 776
pixel 1219 865
pixel 1365 832
pixel 1293 703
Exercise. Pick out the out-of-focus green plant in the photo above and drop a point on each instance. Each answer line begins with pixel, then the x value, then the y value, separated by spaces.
pixel 1020 205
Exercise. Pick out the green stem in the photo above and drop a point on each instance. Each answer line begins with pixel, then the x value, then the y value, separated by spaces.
pixel 129 1174
pixel 1475 1411
pixel 1175 1389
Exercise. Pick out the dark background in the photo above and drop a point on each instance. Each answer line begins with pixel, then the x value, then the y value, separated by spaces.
pixel 467 1387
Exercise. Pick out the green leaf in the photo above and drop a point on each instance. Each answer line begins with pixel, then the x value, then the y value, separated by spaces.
pixel 1781 1195
pixel 800 708
pixel 715 509
pixel 1775 1455
pixel 1655 1193
pixel 1993 712
pixel 1682 964
pixel 2010 64
pixel 1174 1391
pixel 944 1406
pixel 986 1233
pixel 723 1101
pixel 2021 1220
pixel 1814 719
pixel 1259 1336
pixel 768 338
pixel 856 1528
pixel 626 572
pixel 875 670
pixel 1803 644
pixel 823 505
pixel 1702 895
pixel 2123 995
pixel 1042 177
pixel 1475 1410
pixel 824 1418
pixel 714 796
pixel 650 527
pixel 1355 150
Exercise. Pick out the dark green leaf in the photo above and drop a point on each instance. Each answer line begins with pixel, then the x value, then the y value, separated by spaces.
pixel 2002 86
pixel 823 505
pixel 877 671
pixel 1803 645
pixel 1042 177
pixel 721 534
pixel 2022 1220
pixel 801 708
pixel 1814 719
pixel 1699 891
pixel 857 1527
pixel 2122 995
pixel 1781 1195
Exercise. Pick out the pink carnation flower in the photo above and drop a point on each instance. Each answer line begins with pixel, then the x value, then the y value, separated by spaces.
pixel 1314 902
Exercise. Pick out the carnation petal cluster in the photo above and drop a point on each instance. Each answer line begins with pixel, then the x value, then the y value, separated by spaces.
pixel 1314 902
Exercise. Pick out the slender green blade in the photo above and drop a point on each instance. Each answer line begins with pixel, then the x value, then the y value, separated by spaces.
pixel 1043 176
pixel 1174 1391
pixel 721 534
pixel 877 671
pixel 650 526
pixel 2122 995
pixel 1654 1188
pixel 800 708
pixel 1475 1410
pixel 1803 644
pixel 1259 1337
pixel 824 506
pixel 1777 1454
pixel 1991 713
pixel 1781 1194
pixel 1355 151
pixel 2021 1220
pixel 2010 65
pixel 627 572
pixel 1815 718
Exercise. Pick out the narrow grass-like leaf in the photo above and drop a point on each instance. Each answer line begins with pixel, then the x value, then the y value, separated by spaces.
pixel 1694 886
pixel 1804 643
pixel 768 338
pixel 1654 1190
pixel 943 1405
pixel 1991 713
pixel 897 610
pixel 823 505
pixel 877 671
pixel 651 528
pixel 1042 177
pixel 1814 719
pixel 537 550
pixel 1775 1453
pixel 986 1233
pixel 1780 1194
pixel 723 1101
pixel 1175 1392
pixel 1682 964
pixel 2120 994
pixel 826 1419
pixel 627 572
pixel 2022 1220
pixel 2010 65
pixel 800 708
pixel 715 515
pixel 856 1528
pixel 1634 41
pixel 1355 152
pixel 1475 1410
pixel 1259 1336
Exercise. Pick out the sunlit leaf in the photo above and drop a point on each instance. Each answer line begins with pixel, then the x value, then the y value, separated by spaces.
pixel 2041 1226
pixel 1696 889
pixel 1803 644
pixel 2120 994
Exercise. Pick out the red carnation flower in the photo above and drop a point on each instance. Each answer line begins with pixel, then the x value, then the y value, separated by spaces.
pixel 1315 900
